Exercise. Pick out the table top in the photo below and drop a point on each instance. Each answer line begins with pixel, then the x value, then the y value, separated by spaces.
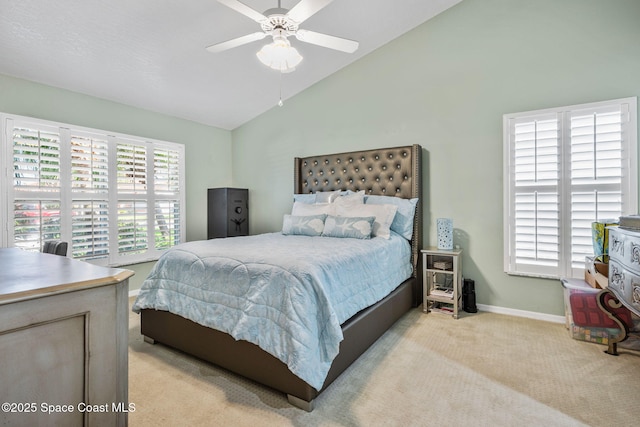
pixel 437 251
pixel 26 275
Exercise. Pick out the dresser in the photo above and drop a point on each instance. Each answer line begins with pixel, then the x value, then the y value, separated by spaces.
pixel 624 279
pixel 63 341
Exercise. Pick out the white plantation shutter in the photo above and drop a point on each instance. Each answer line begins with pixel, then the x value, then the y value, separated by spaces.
pixel 90 196
pixel 132 226
pixel 167 183
pixel 536 178
pixel 89 164
pixel 36 159
pixel 564 169
pixel 167 223
pixel 166 165
pixel 117 199
pixel 132 168
pixel 133 217
pixel 596 173
pixel 90 229
pixel 36 185
pixel 34 222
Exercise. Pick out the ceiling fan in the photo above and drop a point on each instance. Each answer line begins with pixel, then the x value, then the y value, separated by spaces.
pixel 280 23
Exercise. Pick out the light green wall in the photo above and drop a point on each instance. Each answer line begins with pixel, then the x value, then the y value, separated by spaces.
pixel 208 149
pixel 446 85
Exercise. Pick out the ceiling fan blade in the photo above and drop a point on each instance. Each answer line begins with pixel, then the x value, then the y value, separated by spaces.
pixel 325 40
pixel 229 44
pixel 244 9
pixel 305 9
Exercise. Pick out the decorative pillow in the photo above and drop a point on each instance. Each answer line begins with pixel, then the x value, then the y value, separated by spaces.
pixel 304 209
pixel 308 198
pixel 342 226
pixel 384 216
pixel 327 196
pixel 403 221
pixel 311 225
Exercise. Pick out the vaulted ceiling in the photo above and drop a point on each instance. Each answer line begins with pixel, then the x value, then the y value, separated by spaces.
pixel 151 53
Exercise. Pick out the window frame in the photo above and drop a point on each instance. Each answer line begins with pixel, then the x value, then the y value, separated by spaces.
pixel 628 184
pixel 68 195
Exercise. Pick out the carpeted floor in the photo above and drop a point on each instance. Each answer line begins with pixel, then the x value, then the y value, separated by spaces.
pixel 480 370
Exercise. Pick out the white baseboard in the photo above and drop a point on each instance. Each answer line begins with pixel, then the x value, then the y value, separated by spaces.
pixel 522 313
pixel 134 293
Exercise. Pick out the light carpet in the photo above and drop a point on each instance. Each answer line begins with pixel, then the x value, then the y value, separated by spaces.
pixel 483 369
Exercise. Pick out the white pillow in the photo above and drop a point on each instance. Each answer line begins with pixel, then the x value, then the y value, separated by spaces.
pixel 350 199
pixel 305 209
pixel 384 216
pixel 327 196
pixel 403 221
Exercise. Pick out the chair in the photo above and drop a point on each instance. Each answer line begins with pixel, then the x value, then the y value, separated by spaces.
pixel 55 247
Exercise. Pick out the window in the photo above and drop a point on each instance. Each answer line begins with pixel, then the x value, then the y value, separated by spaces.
pixel 117 199
pixel 563 169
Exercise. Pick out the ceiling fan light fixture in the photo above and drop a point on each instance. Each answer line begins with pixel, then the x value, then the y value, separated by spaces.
pixel 280 55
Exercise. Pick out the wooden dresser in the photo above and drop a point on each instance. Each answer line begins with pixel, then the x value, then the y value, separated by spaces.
pixel 624 279
pixel 63 341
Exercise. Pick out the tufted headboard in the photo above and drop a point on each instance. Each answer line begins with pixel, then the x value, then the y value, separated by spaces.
pixel 393 171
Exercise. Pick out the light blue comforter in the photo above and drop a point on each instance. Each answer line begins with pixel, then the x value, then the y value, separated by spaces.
pixel 286 294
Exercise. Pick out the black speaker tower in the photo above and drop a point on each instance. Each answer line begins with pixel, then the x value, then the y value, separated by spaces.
pixel 469 296
pixel 227 212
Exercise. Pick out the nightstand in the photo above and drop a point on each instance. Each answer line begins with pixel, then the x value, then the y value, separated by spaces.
pixel 442 279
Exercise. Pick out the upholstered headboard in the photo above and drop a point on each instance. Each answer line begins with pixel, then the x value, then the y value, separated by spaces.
pixel 393 171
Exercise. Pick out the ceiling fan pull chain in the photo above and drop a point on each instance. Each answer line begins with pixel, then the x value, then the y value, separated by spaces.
pixel 280 103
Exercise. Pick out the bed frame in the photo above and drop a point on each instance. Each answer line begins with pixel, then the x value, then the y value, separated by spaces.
pixel 388 171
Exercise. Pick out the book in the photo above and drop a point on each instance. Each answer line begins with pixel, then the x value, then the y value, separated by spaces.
pixel 440 308
pixel 442 265
pixel 442 292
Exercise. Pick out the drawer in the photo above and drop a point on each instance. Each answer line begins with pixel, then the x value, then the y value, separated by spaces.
pixel 625 283
pixel 624 247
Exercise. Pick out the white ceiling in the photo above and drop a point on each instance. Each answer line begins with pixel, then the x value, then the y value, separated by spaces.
pixel 151 53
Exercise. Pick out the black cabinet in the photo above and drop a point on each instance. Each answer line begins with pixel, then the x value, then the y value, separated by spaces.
pixel 227 212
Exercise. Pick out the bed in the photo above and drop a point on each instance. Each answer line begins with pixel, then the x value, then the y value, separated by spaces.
pixel 381 172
